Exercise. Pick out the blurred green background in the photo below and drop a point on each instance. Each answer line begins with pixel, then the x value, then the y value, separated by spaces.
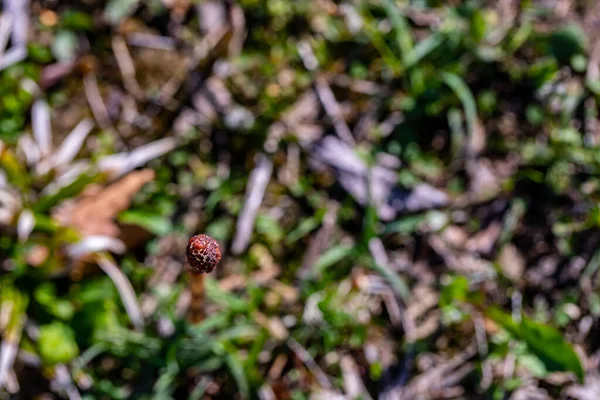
pixel 405 194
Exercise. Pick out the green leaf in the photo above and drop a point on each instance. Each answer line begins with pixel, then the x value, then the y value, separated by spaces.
pixel 406 225
pixel 378 41
pixel 64 46
pixel 13 169
pixel 241 332
pixel 305 226
pixel 543 341
pixel 57 343
pixel 370 221
pixel 424 48
pixel 237 370
pixel 567 41
pixel 462 91
pixel 395 280
pixel 457 290
pixel 270 228
pixel 43 223
pixel 152 222
pixel 78 21
pixel 45 295
pixel 403 36
pixel 233 303
pixel 332 256
pixel 117 10
pixel 15 303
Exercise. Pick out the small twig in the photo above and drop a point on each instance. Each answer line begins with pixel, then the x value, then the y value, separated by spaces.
pixel 196 306
pixel 266 393
pixel 121 163
pixel 42 131
pixel 125 290
pixel 383 263
pixel 517 306
pixel 150 41
pixel 64 380
pixel 319 242
pixel 509 362
pixel 68 148
pixel 289 175
pixel 201 52
pixel 126 66
pixel 390 123
pixel 94 98
pixel 325 94
pixel 8 351
pixel 482 346
pixel 312 365
pixel 9 348
pixel 12 56
pixel 25 225
pixel 255 191
pixel 353 384
pixel 29 148
pixel 19 12
pixel 6 22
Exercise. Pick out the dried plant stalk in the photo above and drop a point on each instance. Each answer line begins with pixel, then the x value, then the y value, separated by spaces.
pixel 196 309
pixel 203 255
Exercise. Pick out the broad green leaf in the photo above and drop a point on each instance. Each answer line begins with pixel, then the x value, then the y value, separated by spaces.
pixel 57 343
pixel 45 294
pixel 567 41
pixel 332 256
pixel 543 341
pixel 152 222
pixel 43 223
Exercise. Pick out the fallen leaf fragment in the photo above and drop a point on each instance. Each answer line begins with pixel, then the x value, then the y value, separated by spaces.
pixel 95 214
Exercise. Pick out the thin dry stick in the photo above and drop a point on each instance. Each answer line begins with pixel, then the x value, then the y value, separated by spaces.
pixel 94 98
pixel 126 67
pixel 325 94
pixel 196 309
pixel 255 192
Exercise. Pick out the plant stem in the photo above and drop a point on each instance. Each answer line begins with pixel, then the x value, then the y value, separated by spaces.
pixel 196 308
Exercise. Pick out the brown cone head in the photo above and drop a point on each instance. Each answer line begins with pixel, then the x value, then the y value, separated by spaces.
pixel 203 253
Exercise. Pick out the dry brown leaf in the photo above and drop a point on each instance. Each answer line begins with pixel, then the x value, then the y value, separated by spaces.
pixel 95 214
